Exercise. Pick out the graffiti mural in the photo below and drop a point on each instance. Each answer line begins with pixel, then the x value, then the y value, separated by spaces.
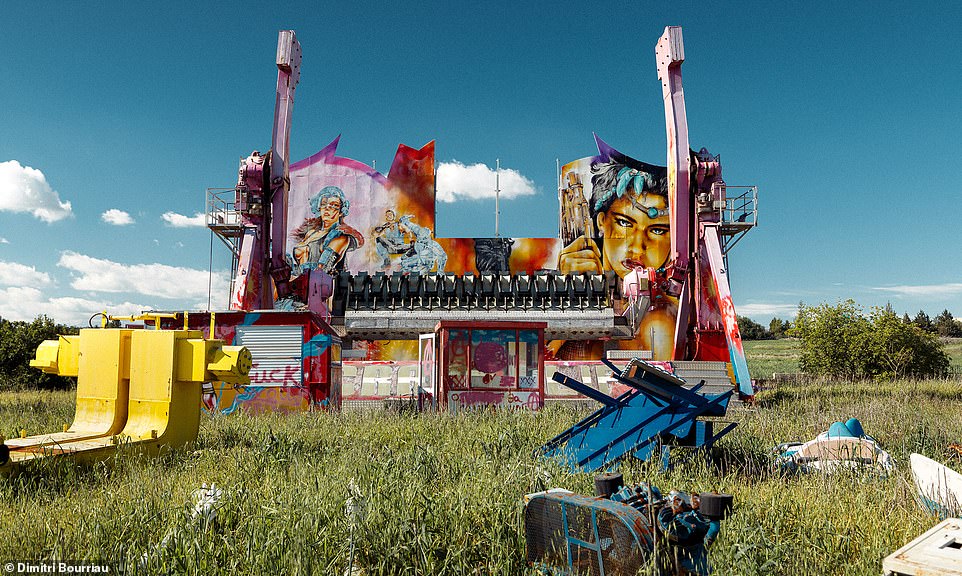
pixel 345 215
pixel 296 379
pixel 614 216
pixel 463 400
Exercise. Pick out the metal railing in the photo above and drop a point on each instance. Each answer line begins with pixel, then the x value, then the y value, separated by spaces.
pixel 220 208
pixel 737 215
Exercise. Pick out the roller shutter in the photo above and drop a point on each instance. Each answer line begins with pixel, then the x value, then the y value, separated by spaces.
pixel 276 351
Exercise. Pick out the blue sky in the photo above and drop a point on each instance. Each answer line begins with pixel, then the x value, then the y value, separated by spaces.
pixel 846 116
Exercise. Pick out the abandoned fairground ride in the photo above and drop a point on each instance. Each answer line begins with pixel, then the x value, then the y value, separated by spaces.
pixel 342 296
pixel 345 296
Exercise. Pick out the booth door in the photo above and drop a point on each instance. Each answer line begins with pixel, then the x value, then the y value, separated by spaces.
pixel 427 371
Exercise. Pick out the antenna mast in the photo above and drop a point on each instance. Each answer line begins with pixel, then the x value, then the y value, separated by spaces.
pixel 497 195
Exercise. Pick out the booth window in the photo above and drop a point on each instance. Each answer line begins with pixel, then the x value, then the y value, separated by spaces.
pixel 493 361
pixel 457 358
pixel 528 358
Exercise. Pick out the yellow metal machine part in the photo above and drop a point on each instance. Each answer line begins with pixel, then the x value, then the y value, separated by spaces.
pixel 100 361
pixel 134 387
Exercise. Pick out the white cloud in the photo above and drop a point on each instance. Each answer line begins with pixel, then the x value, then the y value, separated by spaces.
pixel 176 220
pixel 13 274
pixel 4 240
pixel 767 309
pixel 26 303
pixel 25 189
pixel 931 290
pixel 116 217
pixel 99 275
pixel 457 181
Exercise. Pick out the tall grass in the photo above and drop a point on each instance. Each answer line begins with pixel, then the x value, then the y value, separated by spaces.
pixel 435 494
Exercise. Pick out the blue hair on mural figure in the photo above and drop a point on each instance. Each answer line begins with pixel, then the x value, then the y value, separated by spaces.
pixel 613 180
pixel 329 192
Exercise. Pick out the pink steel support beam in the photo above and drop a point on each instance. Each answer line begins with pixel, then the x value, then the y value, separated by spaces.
pixel 288 74
pixel 669 55
pixel 262 198
pixel 729 321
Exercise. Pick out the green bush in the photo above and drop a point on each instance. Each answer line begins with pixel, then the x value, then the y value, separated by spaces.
pixel 842 341
pixel 748 329
pixel 18 345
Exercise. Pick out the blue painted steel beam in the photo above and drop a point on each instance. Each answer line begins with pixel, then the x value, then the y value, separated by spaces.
pixel 669 388
pixel 585 390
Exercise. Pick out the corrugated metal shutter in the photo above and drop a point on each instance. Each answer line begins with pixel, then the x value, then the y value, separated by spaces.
pixel 276 351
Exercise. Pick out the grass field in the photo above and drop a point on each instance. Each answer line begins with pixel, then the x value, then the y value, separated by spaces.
pixel 435 494
pixel 766 357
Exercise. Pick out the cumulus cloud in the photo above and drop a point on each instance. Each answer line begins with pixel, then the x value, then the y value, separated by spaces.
pixel 930 290
pixel 4 240
pixel 757 309
pixel 14 274
pixel 25 189
pixel 26 303
pixel 176 220
pixel 160 280
pixel 457 181
pixel 117 217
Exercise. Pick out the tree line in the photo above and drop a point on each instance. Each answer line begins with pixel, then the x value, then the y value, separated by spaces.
pixel 18 346
pixel 942 325
pixel 844 341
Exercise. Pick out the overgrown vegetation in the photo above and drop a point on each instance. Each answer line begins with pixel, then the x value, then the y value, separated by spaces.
pixel 436 494
pixel 751 330
pixel 769 357
pixel 842 341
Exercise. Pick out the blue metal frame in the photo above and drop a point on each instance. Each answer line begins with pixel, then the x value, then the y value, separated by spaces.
pixel 658 409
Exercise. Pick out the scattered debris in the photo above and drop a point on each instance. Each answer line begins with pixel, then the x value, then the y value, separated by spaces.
pixel 843 446
pixel 938 552
pixel 658 411
pixel 624 531
pixel 956 448
pixel 940 487
pixel 355 512
pixel 206 500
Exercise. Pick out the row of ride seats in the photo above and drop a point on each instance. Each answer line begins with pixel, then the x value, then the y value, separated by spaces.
pixel 548 289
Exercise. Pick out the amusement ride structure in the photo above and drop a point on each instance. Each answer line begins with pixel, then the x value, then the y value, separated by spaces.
pixel 341 292
pixel 358 301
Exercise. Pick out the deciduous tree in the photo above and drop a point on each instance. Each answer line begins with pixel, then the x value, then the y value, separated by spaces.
pixel 842 341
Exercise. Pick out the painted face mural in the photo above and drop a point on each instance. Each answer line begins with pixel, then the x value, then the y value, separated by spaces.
pixel 323 239
pixel 614 216
pixel 345 215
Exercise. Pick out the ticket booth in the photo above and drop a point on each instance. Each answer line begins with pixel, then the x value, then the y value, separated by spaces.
pixel 468 364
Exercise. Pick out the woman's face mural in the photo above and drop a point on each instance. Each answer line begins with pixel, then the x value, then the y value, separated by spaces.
pixel 635 233
pixel 615 216
pixel 329 210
